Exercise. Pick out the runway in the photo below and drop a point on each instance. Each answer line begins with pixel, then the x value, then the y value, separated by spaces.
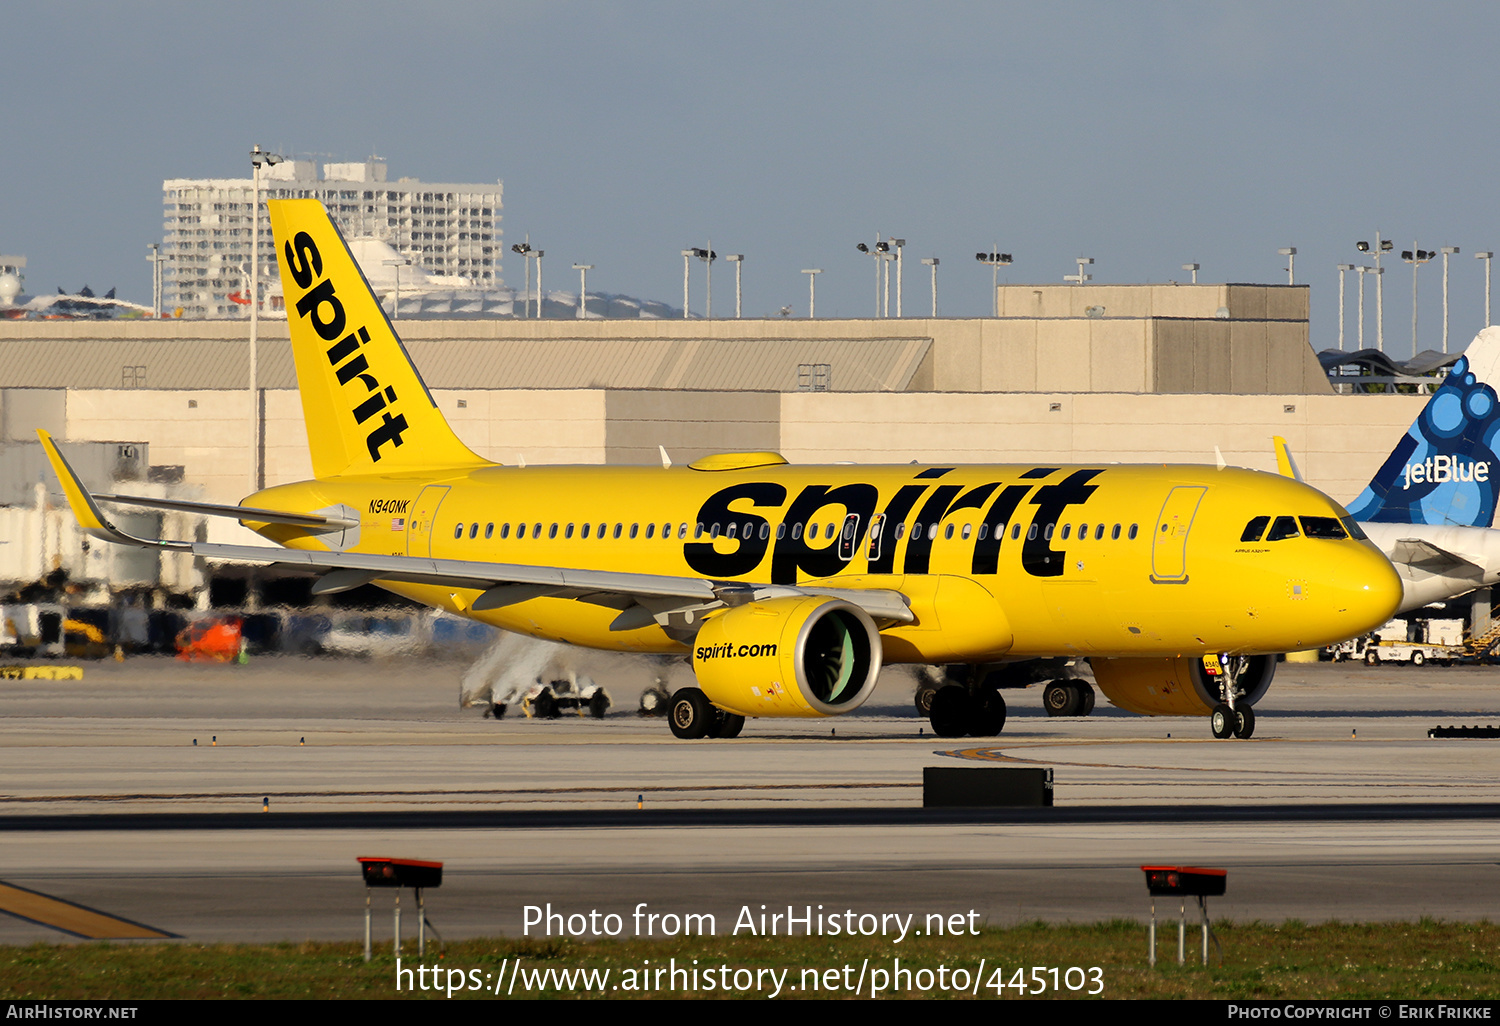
pixel 1340 807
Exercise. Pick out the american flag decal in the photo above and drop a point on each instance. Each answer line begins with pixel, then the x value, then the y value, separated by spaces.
pixel 398 523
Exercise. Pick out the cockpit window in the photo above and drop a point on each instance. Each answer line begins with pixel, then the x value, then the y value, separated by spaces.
pixel 1284 527
pixel 1254 529
pixel 1323 527
pixel 1352 526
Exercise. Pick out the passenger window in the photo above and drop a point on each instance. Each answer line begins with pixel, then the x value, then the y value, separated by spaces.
pixel 520 531
pixel 1254 529
pixel 900 531
pixel 734 529
pixel 458 531
pixel 1015 532
pixel 1323 527
pixel 635 529
pixel 603 529
pixel 697 531
pixel 1134 529
pixel 1083 532
pixel 1114 532
pixel 968 528
pixel 1047 534
pixel 568 531
pixel 812 532
pixel 1284 527
pixel 682 531
pixel 474 530
pixel 618 529
pixel 781 530
pixel 765 530
pixel 916 532
pixel 536 530
pixel 1031 533
pixel 1067 529
pixel 504 531
pixel 948 532
pixel 1099 533
pixel 713 532
pixel 489 531
pixel 796 532
pixel 552 531
pixel 650 531
pixel 583 532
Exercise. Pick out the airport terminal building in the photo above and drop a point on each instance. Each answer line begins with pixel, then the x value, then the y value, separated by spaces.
pixel 1159 373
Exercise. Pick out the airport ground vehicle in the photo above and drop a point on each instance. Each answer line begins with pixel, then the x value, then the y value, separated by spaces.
pixel 790 586
pixel 548 700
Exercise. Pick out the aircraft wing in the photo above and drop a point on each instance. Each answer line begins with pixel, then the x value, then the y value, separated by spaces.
pixel 1424 555
pixel 640 598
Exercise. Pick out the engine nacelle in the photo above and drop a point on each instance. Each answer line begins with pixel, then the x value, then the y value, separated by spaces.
pixel 1176 687
pixel 796 656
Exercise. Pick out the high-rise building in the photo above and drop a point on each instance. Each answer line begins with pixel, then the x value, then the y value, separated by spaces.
pixel 444 228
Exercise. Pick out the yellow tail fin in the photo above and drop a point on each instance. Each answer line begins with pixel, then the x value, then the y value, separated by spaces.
pixel 367 408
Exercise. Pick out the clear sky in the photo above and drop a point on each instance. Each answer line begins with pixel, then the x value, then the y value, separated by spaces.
pixel 1145 135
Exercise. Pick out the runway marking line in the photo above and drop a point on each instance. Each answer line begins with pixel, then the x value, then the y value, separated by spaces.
pixel 71 917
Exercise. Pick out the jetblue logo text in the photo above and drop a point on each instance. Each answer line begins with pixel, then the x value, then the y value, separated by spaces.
pixel 1438 469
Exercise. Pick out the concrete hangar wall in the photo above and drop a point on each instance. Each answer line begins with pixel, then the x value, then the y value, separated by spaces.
pixel 1131 373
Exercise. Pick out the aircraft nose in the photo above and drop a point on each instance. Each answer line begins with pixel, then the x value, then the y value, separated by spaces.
pixel 1373 589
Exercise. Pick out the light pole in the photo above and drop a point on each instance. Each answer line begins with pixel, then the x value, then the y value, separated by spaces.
pixel 1342 269
pixel 687 255
pixel 1077 279
pixel 1381 246
pixel 932 262
pixel 583 288
pixel 155 259
pixel 1447 251
pixel 899 244
pixel 708 256
pixel 1290 252
pixel 1486 257
pixel 257 158
pixel 396 296
pixel 812 290
pixel 737 259
pixel 1415 257
pixel 1194 269
pixel 524 249
pixel 996 260
pixel 1363 270
pixel 879 253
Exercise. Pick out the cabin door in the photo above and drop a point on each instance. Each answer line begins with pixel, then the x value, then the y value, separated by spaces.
pixel 423 514
pixel 1169 541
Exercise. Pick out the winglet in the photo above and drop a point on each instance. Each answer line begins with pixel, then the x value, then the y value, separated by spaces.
pixel 84 508
pixel 1285 465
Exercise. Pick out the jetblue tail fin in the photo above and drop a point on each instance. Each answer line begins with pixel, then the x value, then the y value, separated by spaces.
pixel 1445 469
pixel 367 408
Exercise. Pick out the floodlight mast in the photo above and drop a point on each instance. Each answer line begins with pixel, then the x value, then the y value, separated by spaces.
pixel 812 290
pixel 996 260
pixel 933 262
pixel 1076 279
pixel 1416 257
pixel 1290 252
pixel 1342 269
pixel 738 259
pixel 258 157
pixel 1194 269
pixel 1381 246
pixel 1447 251
pixel 1486 256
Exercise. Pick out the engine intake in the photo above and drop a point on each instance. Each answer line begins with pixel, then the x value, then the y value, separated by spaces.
pixel 796 656
pixel 1176 687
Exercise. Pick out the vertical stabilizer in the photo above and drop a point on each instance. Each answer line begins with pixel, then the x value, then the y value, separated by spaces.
pixel 1445 469
pixel 367 408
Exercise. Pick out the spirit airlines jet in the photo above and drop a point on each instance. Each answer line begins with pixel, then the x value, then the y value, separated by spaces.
pixel 789 586
pixel 1431 506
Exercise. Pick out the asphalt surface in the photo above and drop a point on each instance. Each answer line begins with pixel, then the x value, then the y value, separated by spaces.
pixel 1340 807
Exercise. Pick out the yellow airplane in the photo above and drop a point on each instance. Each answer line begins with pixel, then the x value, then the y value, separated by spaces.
pixel 789 587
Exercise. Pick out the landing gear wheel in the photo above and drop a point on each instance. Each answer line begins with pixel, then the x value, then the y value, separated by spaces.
pixel 691 714
pixel 598 704
pixel 1246 725
pixel 1086 693
pixel 544 707
pixel 654 702
pixel 988 718
pixel 925 690
pixel 727 725
pixel 952 711
pixel 1372 658
pixel 1418 659
pixel 1223 721
pixel 1061 699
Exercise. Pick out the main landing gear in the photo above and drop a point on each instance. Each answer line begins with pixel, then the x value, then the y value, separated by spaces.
pixel 1068 698
pixel 693 716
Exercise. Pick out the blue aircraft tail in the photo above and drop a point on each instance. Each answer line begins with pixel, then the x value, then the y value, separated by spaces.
pixel 1445 469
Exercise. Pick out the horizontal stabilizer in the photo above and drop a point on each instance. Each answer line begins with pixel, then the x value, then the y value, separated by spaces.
pixel 249 514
